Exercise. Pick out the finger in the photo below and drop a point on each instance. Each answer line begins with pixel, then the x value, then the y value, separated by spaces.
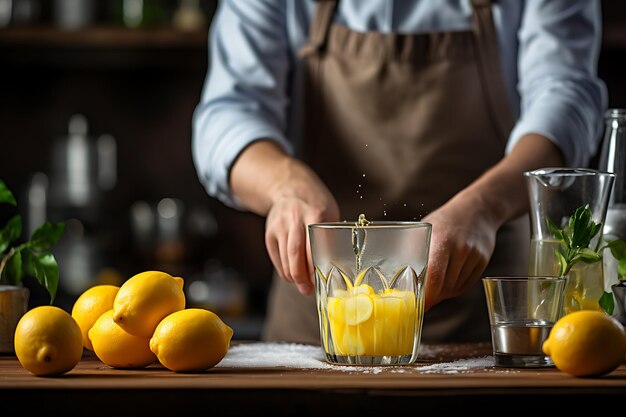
pixel 437 268
pixel 284 256
pixel 309 259
pixel 476 274
pixel 271 243
pixel 467 276
pixel 296 251
pixel 453 279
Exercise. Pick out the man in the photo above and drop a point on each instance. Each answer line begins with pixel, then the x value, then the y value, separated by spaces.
pixel 318 111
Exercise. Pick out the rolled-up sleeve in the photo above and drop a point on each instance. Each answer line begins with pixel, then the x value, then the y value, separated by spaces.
pixel 244 96
pixel 561 96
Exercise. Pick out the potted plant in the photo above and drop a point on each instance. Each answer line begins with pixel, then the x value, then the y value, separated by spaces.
pixel 18 260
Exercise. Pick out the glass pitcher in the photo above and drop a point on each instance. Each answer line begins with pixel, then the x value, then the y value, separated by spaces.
pixel 555 194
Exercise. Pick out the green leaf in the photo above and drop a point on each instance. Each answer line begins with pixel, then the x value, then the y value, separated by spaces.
pixel 588 255
pixel 607 303
pixel 618 248
pixel 46 271
pixel 583 228
pixel 6 196
pixel 562 262
pixel 621 269
pixel 554 229
pixel 46 236
pixel 10 232
pixel 27 263
pixel 13 269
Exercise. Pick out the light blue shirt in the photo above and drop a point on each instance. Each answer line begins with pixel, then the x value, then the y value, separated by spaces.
pixel 549 52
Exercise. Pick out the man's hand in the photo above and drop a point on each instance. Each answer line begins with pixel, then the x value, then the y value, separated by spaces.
pixel 292 196
pixel 462 242
pixel 299 200
pixel 464 229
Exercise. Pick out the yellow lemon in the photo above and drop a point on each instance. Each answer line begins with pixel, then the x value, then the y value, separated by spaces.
pixel 48 341
pixel 117 348
pixel 586 343
pixel 90 305
pixel 361 289
pixel 358 309
pixel 191 340
pixel 146 299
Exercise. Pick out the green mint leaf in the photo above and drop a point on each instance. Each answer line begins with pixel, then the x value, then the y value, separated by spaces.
pixel 583 228
pixel 6 196
pixel 607 303
pixel 10 232
pixel 46 271
pixel 46 236
pixel 562 262
pixel 621 269
pixel 554 229
pixel 13 269
pixel 588 255
pixel 618 248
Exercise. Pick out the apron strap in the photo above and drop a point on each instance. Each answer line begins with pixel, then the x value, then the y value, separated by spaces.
pixel 488 52
pixel 320 25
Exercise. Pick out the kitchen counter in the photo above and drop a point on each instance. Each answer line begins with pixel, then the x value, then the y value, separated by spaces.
pixel 448 379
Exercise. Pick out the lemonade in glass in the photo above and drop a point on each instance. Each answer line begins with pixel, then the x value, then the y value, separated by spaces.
pixel 370 280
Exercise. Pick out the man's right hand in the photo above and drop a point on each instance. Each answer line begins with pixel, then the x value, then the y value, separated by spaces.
pixel 291 196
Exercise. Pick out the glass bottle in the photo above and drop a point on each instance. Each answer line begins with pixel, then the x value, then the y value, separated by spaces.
pixel 613 159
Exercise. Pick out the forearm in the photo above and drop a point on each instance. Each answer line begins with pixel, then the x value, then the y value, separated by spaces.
pixel 264 174
pixel 255 174
pixel 501 191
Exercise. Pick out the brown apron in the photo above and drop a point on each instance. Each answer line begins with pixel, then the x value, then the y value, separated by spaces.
pixel 395 125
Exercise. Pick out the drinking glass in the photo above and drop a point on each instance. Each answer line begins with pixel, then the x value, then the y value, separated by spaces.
pixel 369 283
pixel 522 311
pixel 555 194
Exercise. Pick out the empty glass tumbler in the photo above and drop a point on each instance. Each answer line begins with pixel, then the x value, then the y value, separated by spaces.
pixel 522 312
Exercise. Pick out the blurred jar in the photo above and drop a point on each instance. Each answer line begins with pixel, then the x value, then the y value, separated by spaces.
pixel 84 166
pixel 189 17
pixel 19 12
pixel 6 8
pixel 140 13
pixel 74 14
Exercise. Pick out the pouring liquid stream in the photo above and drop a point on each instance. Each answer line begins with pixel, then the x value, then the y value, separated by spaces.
pixel 359 239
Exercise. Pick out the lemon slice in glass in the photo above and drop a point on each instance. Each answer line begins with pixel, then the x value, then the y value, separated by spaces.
pixel 358 309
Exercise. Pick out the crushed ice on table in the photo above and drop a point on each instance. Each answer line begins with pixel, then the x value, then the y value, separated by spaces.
pixel 301 356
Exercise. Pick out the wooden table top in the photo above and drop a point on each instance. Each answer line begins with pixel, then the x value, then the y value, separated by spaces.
pixel 239 390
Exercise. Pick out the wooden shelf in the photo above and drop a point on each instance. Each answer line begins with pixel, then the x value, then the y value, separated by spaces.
pixel 102 48
pixel 115 37
pixel 102 37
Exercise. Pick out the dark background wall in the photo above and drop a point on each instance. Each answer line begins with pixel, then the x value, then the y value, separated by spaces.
pixel 140 85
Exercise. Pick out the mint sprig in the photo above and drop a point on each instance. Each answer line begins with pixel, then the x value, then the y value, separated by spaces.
pixel 30 258
pixel 575 239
